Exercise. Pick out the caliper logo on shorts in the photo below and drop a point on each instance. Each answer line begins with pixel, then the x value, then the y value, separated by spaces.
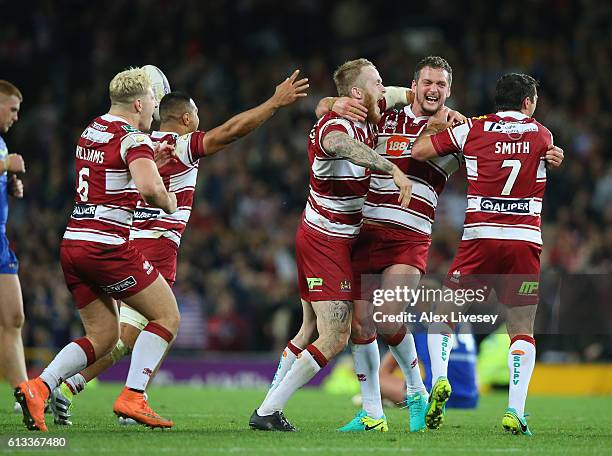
pixel 118 287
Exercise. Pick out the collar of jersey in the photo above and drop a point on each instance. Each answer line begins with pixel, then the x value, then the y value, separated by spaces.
pixel 408 110
pixel 514 114
pixel 161 134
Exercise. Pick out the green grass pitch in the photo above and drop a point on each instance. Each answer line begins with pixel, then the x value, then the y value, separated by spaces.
pixel 214 421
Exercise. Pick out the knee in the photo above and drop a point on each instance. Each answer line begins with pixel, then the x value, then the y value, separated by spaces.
pixel 173 322
pixel 104 341
pixel 338 341
pixel 362 330
pixel 14 321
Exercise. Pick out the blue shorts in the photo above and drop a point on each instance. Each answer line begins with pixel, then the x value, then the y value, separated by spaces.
pixel 9 264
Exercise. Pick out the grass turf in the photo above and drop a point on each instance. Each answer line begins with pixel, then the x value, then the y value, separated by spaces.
pixel 215 421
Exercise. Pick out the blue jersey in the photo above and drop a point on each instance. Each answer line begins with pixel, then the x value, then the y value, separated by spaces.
pixel 3 189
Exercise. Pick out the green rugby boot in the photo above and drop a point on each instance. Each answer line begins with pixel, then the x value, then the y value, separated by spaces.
pixel 440 393
pixel 515 424
pixel 363 423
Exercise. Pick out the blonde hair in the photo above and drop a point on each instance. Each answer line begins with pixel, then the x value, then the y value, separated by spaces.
pixel 347 75
pixel 128 85
pixel 8 89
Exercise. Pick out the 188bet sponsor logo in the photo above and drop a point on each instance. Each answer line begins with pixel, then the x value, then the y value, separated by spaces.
pixel 397 145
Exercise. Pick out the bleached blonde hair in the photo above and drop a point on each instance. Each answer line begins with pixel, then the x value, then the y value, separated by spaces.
pixel 128 85
pixel 347 75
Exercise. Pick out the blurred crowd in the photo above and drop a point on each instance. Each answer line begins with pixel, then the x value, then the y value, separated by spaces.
pixel 236 282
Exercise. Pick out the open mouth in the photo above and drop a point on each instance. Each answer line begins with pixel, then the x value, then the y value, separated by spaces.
pixel 432 98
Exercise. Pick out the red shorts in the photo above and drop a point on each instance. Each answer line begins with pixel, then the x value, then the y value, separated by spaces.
pixel 162 253
pixel 379 247
pixel 511 268
pixel 92 269
pixel 323 265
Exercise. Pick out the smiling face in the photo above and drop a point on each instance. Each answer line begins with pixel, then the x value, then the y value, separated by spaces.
pixel 431 91
pixel 9 111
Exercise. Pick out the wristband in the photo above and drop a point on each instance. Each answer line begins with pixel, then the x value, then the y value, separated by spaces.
pixel 6 163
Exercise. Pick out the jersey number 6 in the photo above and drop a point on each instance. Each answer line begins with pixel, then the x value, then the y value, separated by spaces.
pixel 83 188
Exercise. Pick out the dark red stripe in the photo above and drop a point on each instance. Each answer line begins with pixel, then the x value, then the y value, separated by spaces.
pixel 363 341
pixel 395 339
pixel 524 337
pixel 317 355
pixel 294 348
pixel 88 348
pixel 159 330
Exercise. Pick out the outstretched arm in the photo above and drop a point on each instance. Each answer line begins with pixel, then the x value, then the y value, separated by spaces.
pixel 242 124
pixel 339 144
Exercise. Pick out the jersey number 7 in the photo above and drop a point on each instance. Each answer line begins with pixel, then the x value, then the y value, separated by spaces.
pixel 516 167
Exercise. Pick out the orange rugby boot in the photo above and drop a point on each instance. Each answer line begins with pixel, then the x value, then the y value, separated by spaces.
pixel 132 404
pixel 32 395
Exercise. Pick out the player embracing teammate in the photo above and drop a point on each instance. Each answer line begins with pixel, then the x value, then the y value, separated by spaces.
pixel 506 156
pixel 341 157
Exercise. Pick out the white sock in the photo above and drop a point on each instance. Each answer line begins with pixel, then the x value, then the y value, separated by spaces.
pixel 76 383
pixel 521 360
pixel 366 358
pixel 439 343
pixel 303 369
pixel 284 364
pixel 406 356
pixel 70 360
pixel 148 352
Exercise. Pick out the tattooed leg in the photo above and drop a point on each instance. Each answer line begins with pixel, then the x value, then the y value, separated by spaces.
pixel 334 326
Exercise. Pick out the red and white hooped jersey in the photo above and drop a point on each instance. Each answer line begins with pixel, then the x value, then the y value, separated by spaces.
pixel 338 188
pixel 397 131
pixel 105 192
pixel 506 170
pixel 179 177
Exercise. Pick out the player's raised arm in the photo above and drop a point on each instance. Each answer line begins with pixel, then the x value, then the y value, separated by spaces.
pixel 398 96
pixel 150 185
pixel 339 144
pixel 242 124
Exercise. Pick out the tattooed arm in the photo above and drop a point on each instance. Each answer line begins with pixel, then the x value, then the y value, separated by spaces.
pixel 339 144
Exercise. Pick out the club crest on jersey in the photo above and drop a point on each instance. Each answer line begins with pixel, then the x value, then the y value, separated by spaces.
pixel 455 276
pixel 397 145
pixel 345 285
pixel 390 124
pixel 120 286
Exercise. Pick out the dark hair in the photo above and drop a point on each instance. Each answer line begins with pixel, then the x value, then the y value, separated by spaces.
pixel 173 105
pixel 434 61
pixel 512 89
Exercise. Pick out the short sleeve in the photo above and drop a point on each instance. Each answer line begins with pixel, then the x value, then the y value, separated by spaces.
pixel 196 146
pixel 334 124
pixel 136 145
pixel 450 140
